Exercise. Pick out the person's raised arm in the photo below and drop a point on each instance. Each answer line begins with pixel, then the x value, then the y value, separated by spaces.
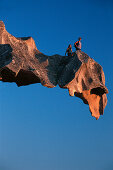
pixel 75 44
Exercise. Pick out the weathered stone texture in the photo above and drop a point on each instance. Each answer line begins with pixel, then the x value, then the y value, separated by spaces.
pixel 21 62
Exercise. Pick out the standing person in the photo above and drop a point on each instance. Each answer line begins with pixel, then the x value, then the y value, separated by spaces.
pixel 69 50
pixel 78 44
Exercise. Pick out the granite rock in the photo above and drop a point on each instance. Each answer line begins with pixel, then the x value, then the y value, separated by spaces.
pixel 21 62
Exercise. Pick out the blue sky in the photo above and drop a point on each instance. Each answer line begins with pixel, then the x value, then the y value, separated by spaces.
pixel 46 129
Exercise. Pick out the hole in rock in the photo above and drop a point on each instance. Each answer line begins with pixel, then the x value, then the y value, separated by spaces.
pixel 98 91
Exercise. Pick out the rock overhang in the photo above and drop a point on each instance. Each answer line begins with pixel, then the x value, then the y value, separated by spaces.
pixel 21 62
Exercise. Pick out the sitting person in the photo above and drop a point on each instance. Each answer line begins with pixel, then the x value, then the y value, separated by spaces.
pixel 69 50
pixel 78 44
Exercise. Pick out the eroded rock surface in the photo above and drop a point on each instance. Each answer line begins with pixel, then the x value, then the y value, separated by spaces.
pixel 21 62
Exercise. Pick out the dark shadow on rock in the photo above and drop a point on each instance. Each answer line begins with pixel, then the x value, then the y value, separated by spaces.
pixel 41 57
pixel 26 77
pixel 101 109
pixel 23 38
pixel 5 54
pixel 54 68
pixel 98 91
pixel 7 75
pixel 69 70
pixel 80 95
pixel 84 87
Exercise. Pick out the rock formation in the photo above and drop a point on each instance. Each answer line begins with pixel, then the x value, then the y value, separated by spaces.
pixel 21 62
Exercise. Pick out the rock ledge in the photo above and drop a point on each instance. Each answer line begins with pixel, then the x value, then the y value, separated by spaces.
pixel 21 62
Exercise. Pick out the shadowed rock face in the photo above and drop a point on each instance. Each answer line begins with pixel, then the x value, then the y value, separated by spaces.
pixel 21 62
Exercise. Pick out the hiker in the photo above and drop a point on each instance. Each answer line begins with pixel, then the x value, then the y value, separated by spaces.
pixel 69 50
pixel 78 44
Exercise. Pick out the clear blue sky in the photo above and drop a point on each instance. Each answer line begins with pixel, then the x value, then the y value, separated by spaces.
pixel 46 129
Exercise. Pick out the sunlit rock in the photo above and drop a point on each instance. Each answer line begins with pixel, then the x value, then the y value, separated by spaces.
pixel 21 62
